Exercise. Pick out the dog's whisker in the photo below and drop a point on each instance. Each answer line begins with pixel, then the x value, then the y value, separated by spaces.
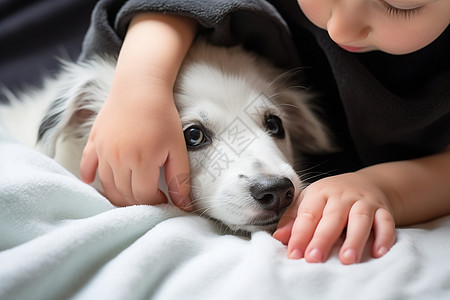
pixel 285 76
pixel 285 90
pixel 312 165
pixel 208 203
pixel 309 177
pixel 286 105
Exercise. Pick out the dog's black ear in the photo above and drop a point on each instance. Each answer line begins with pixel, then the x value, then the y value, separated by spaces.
pixel 71 115
pixel 308 133
pixel 85 105
pixel 51 119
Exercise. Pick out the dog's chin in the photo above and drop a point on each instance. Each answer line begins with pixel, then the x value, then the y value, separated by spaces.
pixel 256 225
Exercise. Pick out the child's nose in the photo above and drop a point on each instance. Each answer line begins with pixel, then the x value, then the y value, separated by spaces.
pixel 348 21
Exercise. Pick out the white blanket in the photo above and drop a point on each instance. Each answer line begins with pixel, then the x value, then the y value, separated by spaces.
pixel 60 239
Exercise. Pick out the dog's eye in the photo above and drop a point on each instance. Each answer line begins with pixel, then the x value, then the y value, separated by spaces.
pixel 274 126
pixel 194 137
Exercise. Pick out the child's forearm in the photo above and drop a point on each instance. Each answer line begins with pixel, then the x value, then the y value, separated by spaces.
pixel 418 190
pixel 153 50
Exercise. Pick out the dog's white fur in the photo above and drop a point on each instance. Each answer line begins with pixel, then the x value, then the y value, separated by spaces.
pixel 235 99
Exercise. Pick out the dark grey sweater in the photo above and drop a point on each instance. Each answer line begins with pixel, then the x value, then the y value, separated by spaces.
pixel 380 107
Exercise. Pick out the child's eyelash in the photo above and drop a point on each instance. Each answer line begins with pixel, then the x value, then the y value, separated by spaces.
pixel 395 11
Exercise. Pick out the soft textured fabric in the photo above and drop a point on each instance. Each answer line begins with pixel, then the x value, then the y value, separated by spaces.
pixel 60 239
pixel 379 107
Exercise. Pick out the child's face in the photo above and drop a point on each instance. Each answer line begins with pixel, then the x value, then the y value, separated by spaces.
pixel 392 26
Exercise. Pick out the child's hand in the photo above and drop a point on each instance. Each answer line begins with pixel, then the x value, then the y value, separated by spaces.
pixel 138 129
pixel 312 225
pixel 129 144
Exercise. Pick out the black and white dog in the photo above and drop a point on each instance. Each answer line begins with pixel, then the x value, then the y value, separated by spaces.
pixel 244 126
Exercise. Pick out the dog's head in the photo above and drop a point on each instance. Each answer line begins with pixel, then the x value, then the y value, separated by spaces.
pixel 243 125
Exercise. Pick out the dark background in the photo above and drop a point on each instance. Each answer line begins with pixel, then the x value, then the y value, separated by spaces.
pixel 34 33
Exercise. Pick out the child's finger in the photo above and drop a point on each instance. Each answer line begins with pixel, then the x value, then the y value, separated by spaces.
pixel 108 184
pixel 359 226
pixel 385 234
pixel 88 164
pixel 284 229
pixel 308 216
pixel 177 174
pixel 328 231
pixel 122 183
pixel 145 188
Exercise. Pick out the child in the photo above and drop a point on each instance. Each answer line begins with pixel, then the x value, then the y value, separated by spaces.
pixel 383 71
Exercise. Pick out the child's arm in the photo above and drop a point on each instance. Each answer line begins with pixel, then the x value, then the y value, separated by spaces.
pixel 138 129
pixel 408 192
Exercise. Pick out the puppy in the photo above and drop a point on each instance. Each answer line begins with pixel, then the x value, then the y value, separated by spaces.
pixel 244 125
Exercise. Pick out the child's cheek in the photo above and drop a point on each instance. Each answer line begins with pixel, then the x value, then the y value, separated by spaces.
pixel 317 11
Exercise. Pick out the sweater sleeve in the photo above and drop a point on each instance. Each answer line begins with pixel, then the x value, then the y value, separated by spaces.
pixel 256 24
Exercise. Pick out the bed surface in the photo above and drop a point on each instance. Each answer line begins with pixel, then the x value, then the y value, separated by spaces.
pixel 60 239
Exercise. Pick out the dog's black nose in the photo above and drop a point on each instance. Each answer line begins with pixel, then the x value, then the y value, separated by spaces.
pixel 273 193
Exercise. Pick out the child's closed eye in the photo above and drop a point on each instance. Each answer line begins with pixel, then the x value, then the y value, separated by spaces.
pixel 397 10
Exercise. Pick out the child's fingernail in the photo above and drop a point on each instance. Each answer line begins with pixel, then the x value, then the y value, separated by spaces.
pixel 382 251
pixel 276 234
pixel 349 256
pixel 315 256
pixel 185 203
pixel 296 254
